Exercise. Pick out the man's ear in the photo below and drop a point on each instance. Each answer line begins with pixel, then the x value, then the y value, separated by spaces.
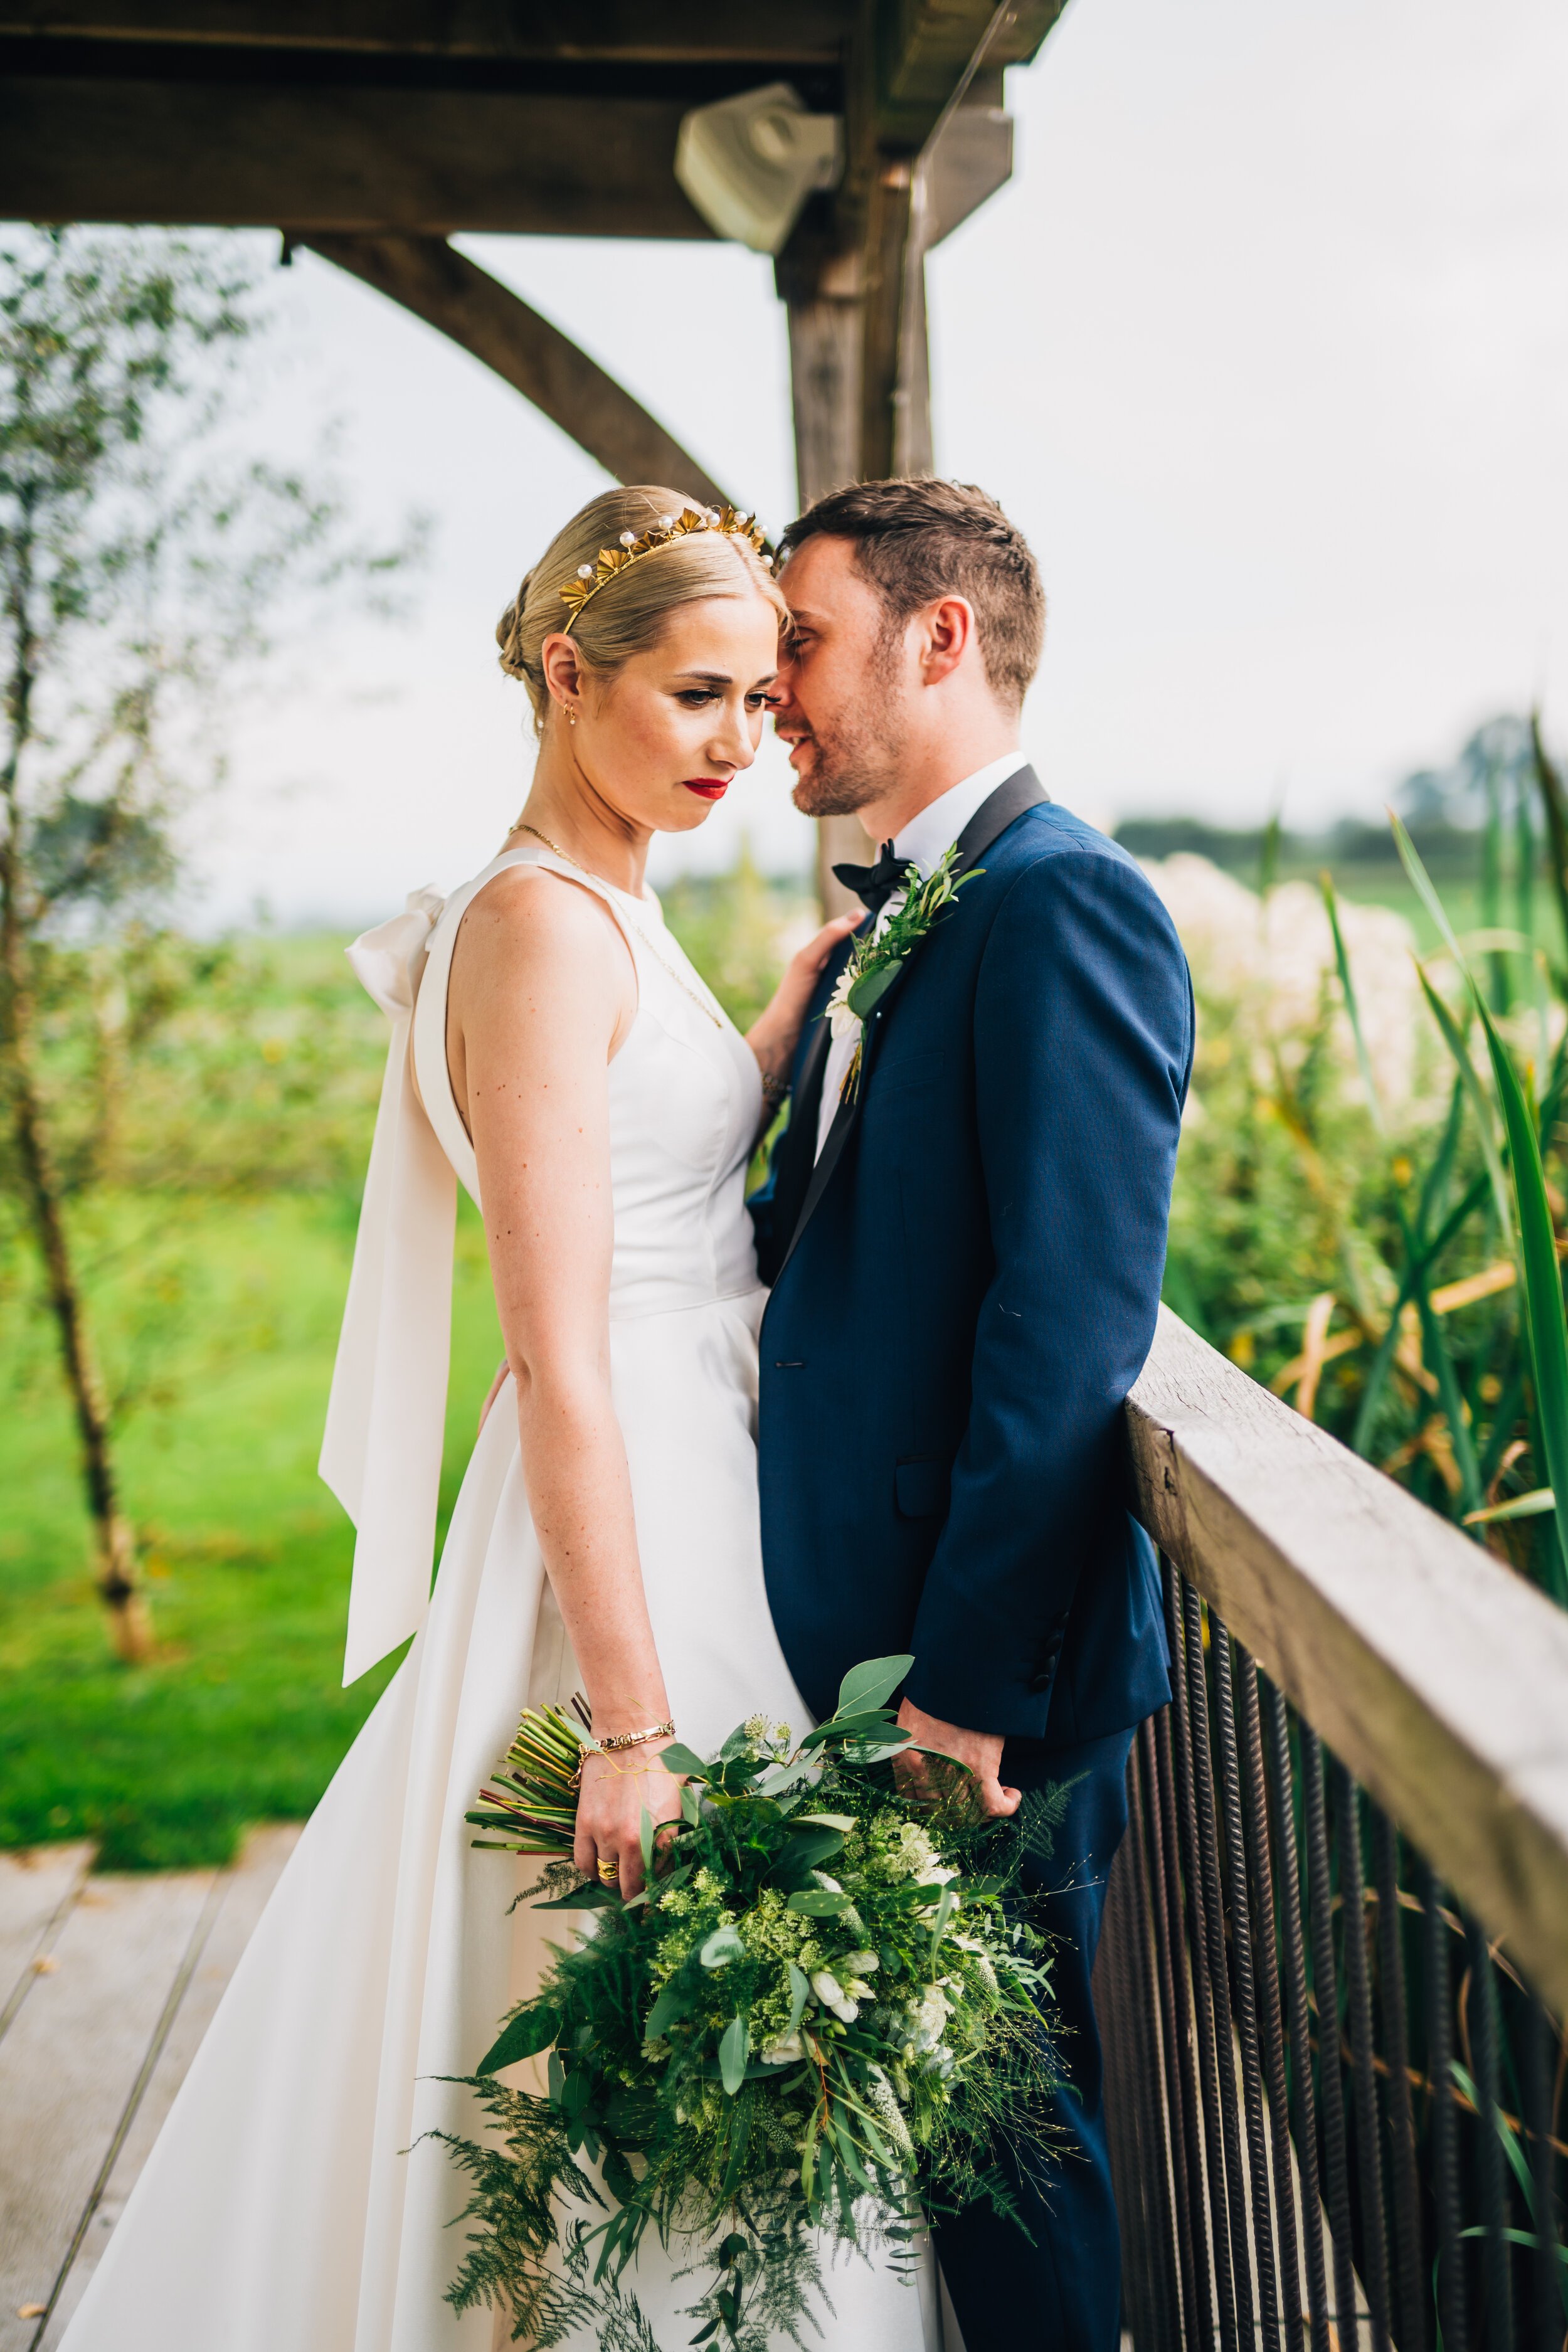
pixel 948 632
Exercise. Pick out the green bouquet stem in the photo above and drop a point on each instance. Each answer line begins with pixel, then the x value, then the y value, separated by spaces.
pixel 533 1805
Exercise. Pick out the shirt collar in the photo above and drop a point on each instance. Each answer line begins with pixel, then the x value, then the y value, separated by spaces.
pixel 938 824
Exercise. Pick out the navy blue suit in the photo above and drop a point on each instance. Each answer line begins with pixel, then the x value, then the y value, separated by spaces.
pixel 965 1285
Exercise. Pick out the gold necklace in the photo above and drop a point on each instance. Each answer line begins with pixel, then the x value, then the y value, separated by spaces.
pixel 557 851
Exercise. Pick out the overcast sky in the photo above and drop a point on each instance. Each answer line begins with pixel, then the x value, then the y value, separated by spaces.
pixel 1266 347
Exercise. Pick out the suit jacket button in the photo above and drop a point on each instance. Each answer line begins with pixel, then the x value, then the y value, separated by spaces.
pixel 1041 1681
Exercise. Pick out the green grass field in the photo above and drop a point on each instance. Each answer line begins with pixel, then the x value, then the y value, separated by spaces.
pixel 239 1718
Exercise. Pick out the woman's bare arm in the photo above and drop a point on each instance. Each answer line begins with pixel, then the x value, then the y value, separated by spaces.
pixel 542 991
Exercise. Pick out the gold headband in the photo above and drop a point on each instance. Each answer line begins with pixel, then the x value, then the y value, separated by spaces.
pixel 664 533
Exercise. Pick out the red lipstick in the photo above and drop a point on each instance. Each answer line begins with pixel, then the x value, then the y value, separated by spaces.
pixel 707 788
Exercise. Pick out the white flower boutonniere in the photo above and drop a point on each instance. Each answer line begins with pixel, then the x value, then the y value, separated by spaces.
pixel 878 956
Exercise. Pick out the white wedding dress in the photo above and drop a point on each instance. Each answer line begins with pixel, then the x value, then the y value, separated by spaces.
pixel 290 2204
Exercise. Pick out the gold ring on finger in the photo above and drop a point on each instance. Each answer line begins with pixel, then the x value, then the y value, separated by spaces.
pixel 609 1873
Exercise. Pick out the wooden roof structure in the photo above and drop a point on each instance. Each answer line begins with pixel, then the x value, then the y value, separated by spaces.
pixel 373 131
pixel 375 128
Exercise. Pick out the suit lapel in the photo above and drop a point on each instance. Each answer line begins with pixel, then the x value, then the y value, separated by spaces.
pixel 837 1136
pixel 797 1144
pixel 1021 791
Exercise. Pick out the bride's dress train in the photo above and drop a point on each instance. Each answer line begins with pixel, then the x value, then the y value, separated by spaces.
pixel 291 2204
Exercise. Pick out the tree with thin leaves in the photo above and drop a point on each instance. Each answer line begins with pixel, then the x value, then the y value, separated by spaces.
pixel 138 569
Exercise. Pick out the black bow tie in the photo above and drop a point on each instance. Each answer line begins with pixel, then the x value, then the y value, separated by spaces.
pixel 875 885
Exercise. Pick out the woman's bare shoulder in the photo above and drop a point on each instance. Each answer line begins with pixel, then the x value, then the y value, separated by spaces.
pixel 533 913
pixel 531 927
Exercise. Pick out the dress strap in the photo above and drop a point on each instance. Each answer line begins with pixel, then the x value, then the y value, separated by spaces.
pixel 381 1452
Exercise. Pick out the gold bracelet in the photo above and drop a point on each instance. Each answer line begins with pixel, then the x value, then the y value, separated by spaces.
pixel 622 1740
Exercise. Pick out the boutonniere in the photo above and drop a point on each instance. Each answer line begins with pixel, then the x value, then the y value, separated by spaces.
pixel 879 955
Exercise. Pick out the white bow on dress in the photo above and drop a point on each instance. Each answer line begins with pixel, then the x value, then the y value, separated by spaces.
pixel 381 1452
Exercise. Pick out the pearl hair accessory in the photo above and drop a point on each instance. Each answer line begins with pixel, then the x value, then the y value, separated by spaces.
pixel 664 533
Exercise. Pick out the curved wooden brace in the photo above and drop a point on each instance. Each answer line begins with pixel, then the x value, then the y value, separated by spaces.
pixel 441 286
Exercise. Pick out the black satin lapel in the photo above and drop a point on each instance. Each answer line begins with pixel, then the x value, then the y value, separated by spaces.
pixel 808 1094
pixel 797 1147
pixel 1021 791
pixel 828 1159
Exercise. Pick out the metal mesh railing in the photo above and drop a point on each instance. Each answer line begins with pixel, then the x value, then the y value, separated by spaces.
pixel 1335 2106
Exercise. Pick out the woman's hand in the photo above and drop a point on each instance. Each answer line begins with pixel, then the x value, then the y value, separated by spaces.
pixel 610 1808
pixel 776 1033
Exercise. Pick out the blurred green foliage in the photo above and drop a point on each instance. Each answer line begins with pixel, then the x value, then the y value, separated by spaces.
pixel 1364 1259
pixel 215 1102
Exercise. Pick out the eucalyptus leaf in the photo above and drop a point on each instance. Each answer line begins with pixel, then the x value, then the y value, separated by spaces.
pixel 871 1720
pixel 809 1849
pixel 671 2006
pixel 872 1683
pixel 734 2052
pixel 872 987
pixel 683 1761
pixel 816 1902
pixel 722 1947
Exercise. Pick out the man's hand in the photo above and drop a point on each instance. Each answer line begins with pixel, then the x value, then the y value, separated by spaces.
pixel 979 1751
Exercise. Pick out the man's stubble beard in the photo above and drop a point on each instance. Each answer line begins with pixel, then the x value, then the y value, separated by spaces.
pixel 857 761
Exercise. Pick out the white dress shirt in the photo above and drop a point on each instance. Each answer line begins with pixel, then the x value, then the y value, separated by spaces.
pixel 923 839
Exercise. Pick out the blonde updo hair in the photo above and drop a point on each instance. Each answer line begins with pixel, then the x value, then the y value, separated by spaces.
pixel 628 614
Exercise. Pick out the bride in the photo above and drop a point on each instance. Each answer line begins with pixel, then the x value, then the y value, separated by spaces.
pixel 554 1052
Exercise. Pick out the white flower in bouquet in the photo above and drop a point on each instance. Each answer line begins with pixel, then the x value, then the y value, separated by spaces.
pixel 832 1995
pixel 929 2021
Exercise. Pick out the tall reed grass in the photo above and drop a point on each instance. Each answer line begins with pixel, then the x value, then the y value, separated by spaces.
pixel 1391 1262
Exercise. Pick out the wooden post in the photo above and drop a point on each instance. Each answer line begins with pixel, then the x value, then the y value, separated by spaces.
pixel 825 306
pixel 895 398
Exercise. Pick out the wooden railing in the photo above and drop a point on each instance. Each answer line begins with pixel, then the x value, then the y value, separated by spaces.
pixel 1371 1835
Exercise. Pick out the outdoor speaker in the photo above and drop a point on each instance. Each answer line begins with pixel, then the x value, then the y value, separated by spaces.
pixel 749 163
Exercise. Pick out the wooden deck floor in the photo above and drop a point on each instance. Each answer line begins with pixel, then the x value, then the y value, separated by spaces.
pixel 108 1985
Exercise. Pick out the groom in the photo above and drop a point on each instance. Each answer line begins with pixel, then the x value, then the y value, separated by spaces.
pixel 965 1240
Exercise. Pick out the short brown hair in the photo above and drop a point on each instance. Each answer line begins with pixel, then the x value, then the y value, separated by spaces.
pixel 916 539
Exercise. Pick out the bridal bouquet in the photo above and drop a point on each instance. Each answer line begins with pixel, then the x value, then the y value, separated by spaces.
pixel 818 2022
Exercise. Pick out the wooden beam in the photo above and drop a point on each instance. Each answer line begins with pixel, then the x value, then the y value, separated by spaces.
pixel 971 160
pixel 921 48
pixel 771 32
pixel 1437 1675
pixel 453 294
pixel 350 160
